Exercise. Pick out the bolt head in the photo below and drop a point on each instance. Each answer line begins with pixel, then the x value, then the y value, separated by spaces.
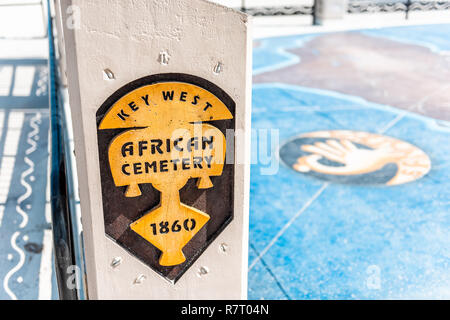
pixel 108 75
pixel 218 68
pixel 224 247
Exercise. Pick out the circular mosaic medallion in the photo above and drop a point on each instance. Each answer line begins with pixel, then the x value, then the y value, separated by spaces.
pixel 353 157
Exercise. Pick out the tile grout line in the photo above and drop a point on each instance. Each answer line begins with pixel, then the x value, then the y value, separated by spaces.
pixel 392 123
pixel 287 225
pixel 271 274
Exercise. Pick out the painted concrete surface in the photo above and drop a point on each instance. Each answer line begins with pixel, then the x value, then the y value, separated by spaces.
pixel 372 65
pixel 25 229
pixel 312 239
pixel 309 239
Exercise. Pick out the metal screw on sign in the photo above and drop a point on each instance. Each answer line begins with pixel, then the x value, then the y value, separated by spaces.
pixel 218 68
pixel 224 247
pixel 108 75
pixel 164 58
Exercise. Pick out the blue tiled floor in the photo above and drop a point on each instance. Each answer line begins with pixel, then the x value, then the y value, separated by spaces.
pixel 266 285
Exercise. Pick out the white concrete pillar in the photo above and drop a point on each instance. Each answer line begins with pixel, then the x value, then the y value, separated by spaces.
pixel 330 10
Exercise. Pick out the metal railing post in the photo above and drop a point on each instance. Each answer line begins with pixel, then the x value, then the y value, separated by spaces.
pixel 314 13
pixel 408 4
pixel 243 6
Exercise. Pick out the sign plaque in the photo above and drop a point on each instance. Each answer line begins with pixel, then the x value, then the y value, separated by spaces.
pixel 167 189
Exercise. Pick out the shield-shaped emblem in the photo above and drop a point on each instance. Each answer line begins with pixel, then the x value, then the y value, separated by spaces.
pixel 167 182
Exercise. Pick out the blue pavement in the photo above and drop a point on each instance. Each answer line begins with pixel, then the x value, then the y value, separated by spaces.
pixel 312 239
pixel 26 257
pixel 434 37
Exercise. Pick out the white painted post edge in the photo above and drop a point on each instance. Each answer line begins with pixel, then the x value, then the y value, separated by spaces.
pixel 60 42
